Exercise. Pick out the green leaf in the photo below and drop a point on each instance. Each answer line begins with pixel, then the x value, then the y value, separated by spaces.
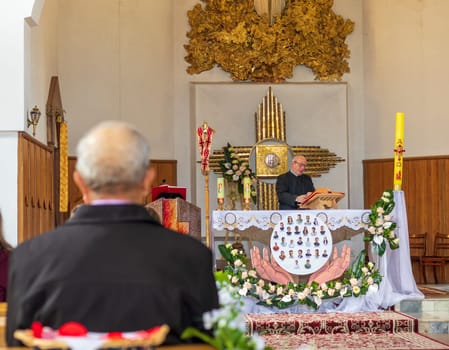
pixel 225 253
pixel 358 263
pixel 191 332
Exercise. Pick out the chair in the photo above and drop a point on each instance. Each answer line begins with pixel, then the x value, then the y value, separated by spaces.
pixel 439 257
pixel 417 251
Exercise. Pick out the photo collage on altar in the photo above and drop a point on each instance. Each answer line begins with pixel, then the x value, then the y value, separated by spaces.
pixel 301 243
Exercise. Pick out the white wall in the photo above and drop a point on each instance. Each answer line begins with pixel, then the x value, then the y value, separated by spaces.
pixel 406 71
pixel 8 179
pixel 115 62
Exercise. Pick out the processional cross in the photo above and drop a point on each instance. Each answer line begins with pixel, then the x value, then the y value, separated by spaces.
pixel 271 154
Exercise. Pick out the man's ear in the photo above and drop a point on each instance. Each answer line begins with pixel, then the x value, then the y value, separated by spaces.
pixel 150 175
pixel 81 185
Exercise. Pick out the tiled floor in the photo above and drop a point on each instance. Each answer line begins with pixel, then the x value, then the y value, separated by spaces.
pixel 432 314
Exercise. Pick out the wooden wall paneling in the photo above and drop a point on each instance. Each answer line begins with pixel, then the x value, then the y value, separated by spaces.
pixel 377 177
pixel 426 190
pixel 34 188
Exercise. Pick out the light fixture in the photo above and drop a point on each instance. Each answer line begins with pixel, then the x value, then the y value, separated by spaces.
pixel 33 119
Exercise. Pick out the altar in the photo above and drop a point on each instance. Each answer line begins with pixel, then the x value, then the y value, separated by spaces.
pixel 397 278
pixel 257 225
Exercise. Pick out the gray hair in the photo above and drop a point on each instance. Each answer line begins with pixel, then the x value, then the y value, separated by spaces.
pixel 113 157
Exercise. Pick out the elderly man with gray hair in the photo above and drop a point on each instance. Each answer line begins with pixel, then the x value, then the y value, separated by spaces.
pixel 111 267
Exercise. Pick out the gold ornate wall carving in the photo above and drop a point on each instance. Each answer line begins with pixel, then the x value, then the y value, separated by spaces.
pixel 231 35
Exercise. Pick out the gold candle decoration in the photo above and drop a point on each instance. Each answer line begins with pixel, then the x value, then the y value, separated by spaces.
pixel 220 188
pixel 63 168
pixel 246 187
pixel 398 150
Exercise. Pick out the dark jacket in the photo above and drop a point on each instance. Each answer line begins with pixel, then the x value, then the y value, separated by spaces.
pixel 112 268
pixel 289 186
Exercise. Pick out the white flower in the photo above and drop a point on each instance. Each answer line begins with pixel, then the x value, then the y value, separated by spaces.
pixel 370 280
pixel 370 265
pixel 365 270
pixel 306 291
pixel 396 241
pixel 356 290
pixel 379 221
pixel 252 273
pixel 269 302
pixel 331 292
pixel 229 172
pixel 317 300
pixel 301 296
pixel 247 285
pixel 392 235
pixel 378 239
pixel 291 292
pixel 323 286
pixel 261 283
pixel 238 263
pixel 386 194
pixel 380 210
pixel 387 224
pixel 343 291
pixel 234 279
pixel 272 288
pixel 235 178
pixel 208 320
pixel 353 281
pixel 234 252
pixel 338 285
pixel 319 293
pixel 372 230
pixel 380 230
pixel 279 291
pixel 387 217
pixel 244 274
pixel 286 299
pixel 243 291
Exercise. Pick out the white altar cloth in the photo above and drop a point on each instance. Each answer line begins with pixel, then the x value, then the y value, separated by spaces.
pixel 267 219
pixel 398 282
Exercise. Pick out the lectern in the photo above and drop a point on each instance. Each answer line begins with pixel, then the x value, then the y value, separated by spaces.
pixel 179 215
pixel 322 198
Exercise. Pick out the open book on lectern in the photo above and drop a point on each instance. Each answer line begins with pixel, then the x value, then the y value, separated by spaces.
pixel 322 198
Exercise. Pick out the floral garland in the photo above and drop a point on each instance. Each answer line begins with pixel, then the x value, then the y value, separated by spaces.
pixel 358 280
pixel 235 170
pixel 381 228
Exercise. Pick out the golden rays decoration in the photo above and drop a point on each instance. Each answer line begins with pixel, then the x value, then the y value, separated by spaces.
pixel 230 34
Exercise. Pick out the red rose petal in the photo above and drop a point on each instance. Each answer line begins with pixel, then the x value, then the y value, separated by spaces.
pixel 72 329
pixel 37 328
pixel 114 335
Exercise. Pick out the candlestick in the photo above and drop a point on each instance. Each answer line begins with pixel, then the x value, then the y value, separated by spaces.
pixel 220 188
pixel 398 150
pixel 246 187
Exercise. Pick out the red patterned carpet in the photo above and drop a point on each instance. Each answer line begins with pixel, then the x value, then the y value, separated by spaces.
pixel 362 330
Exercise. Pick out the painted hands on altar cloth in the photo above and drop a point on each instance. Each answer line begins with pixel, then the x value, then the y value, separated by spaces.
pixel 269 270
